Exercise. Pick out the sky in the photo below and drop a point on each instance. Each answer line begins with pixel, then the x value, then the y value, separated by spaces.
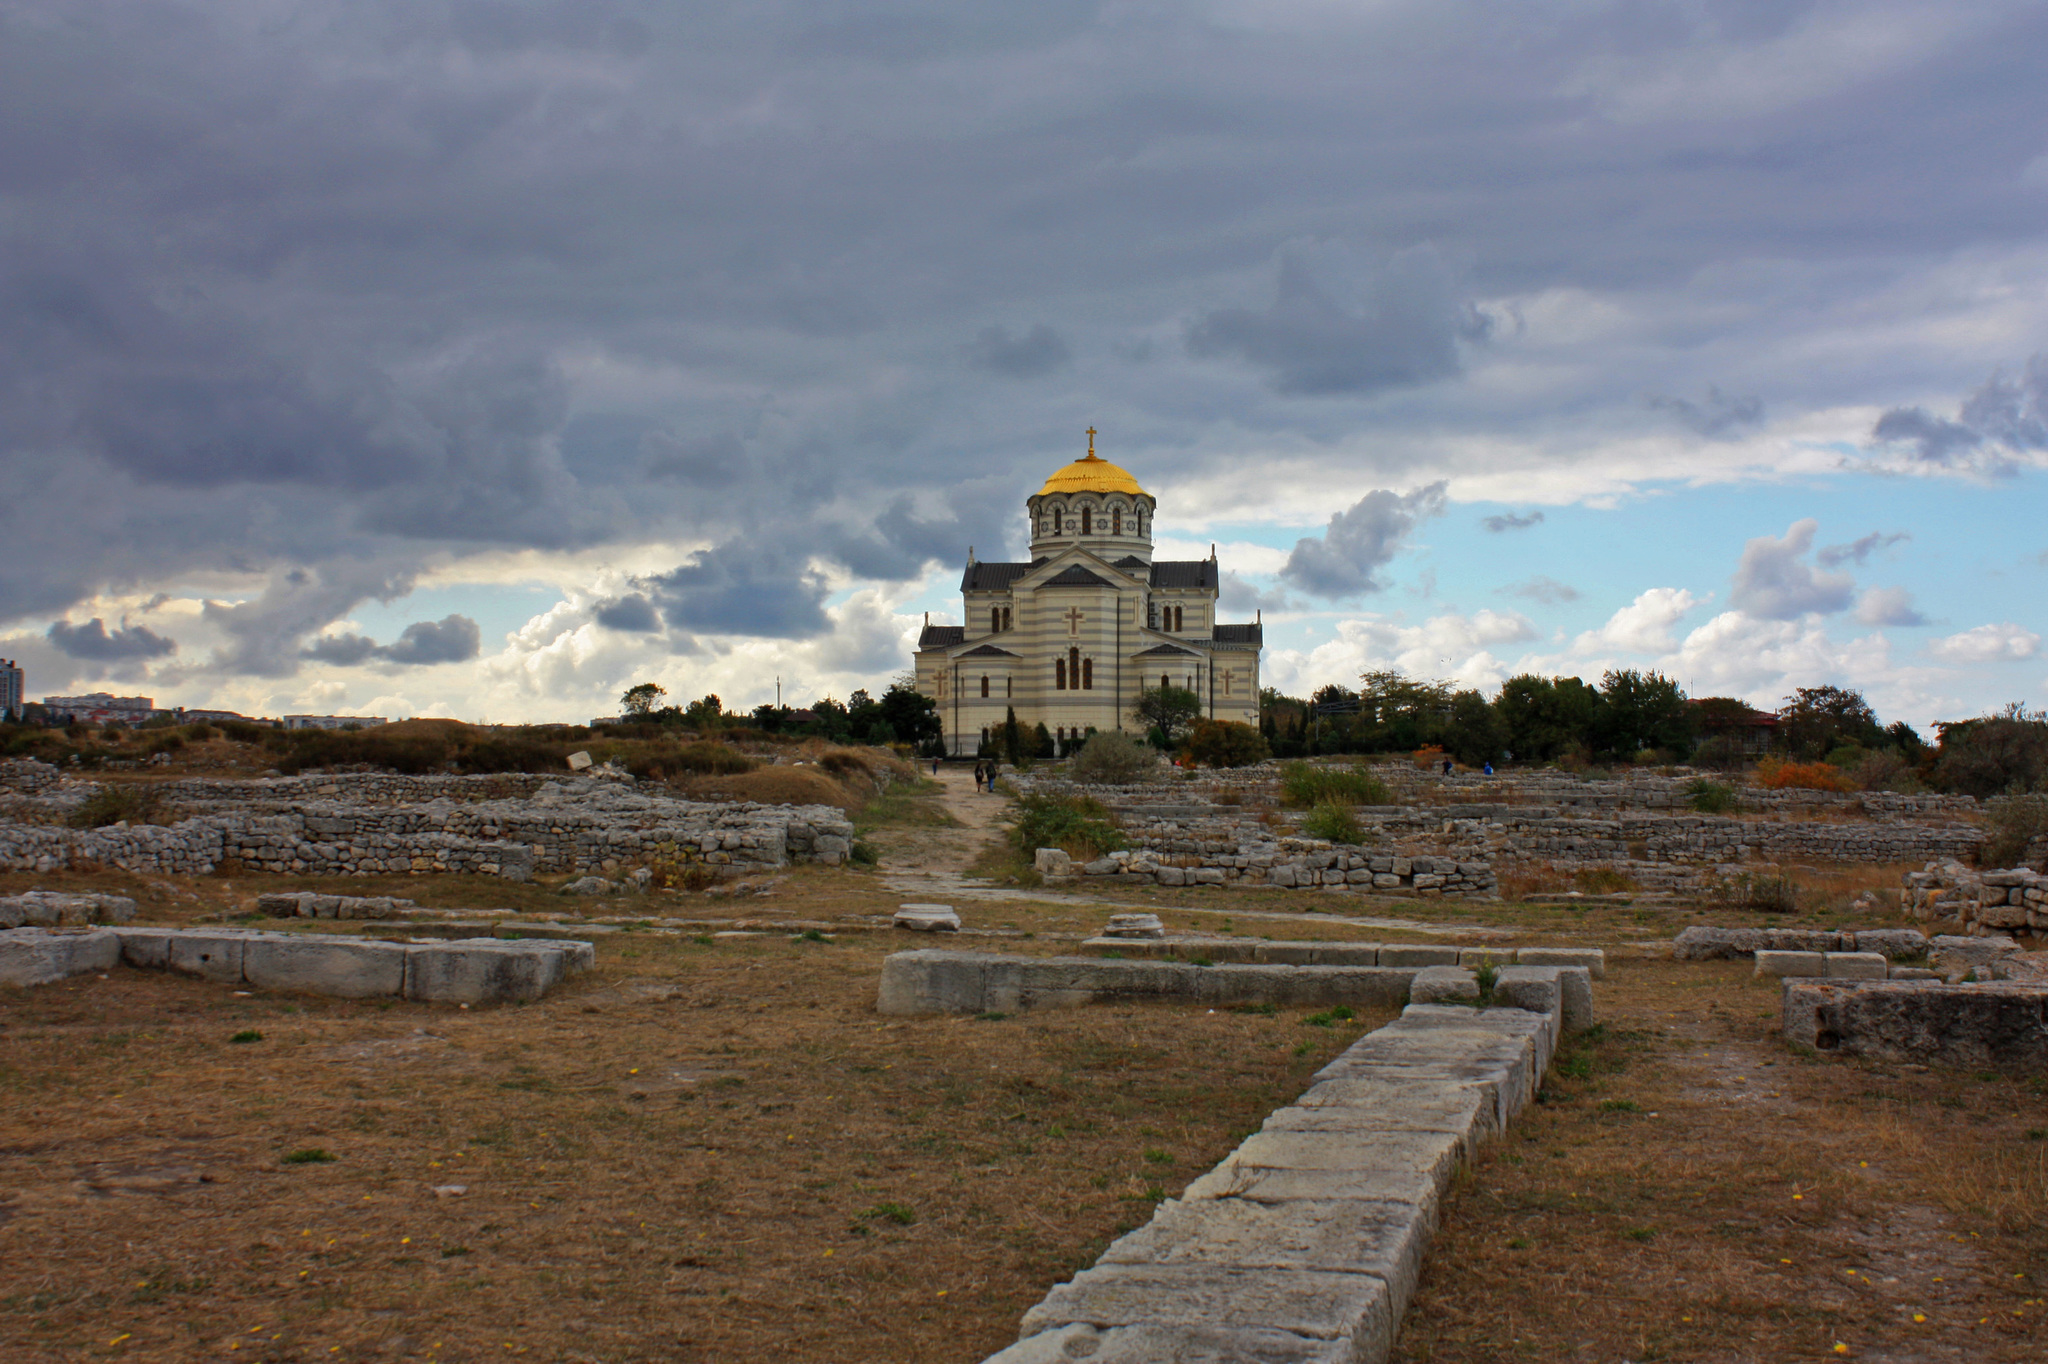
pixel 482 358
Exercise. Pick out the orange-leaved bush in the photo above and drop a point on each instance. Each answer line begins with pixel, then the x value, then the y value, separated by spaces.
pixel 1778 775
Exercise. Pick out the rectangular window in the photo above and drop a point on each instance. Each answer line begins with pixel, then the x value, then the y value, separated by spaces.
pixel 1087 674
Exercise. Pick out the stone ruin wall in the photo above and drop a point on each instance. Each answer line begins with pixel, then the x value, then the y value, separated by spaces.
pixel 371 824
pixel 1585 826
pixel 1983 902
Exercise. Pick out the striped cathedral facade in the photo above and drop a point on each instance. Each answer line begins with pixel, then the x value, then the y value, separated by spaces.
pixel 1072 637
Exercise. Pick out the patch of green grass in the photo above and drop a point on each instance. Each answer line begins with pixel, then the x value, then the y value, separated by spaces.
pixel 308 1155
pixel 1157 1157
pixel 1333 822
pixel 902 1214
pixel 1620 1106
pixel 1341 1014
pixel 990 1016
pixel 1641 1233
pixel 1303 786
pixel 1262 1010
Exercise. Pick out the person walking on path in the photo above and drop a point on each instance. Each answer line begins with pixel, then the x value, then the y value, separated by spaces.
pixel 1447 767
pixel 935 767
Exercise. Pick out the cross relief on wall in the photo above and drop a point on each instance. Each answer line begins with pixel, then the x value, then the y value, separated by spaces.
pixel 1074 617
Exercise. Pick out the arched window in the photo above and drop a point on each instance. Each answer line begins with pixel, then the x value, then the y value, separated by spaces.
pixel 1116 522
pixel 1074 669
pixel 984 684
pixel 995 619
pixel 1055 520
pixel 1009 686
pixel 1059 674
pixel 1006 617
pixel 1087 521
pixel 1138 517
pixel 1087 674
pixel 1164 681
pixel 1178 623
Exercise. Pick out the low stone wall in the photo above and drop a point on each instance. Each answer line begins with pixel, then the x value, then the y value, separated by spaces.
pixel 564 827
pixel 1295 864
pixel 28 776
pixel 1981 901
pixel 467 971
pixel 1409 956
pixel 1305 1244
pixel 1997 1026
pixel 1704 943
pixel 50 909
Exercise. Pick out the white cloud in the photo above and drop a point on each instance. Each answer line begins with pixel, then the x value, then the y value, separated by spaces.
pixel 1644 625
pixel 2001 643
pixel 1887 606
pixel 1449 646
pixel 1772 582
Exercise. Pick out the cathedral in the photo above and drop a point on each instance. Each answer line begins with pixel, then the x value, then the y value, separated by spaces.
pixel 1071 638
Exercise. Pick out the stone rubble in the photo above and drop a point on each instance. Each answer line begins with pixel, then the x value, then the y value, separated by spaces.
pixel 49 909
pixel 1982 901
pixel 508 825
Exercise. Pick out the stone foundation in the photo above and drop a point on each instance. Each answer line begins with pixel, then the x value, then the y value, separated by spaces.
pixel 1997 1026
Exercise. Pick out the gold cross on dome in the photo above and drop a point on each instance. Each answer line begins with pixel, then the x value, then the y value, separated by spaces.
pixel 1091 442
pixel 1074 619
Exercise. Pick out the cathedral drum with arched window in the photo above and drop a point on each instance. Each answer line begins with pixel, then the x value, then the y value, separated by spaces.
pixel 1076 633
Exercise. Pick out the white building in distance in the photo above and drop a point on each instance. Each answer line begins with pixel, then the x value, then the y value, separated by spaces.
pixel 1071 638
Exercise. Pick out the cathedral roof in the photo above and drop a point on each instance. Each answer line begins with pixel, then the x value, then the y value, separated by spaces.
pixel 942 636
pixel 988 651
pixel 982 577
pixel 1091 474
pixel 1241 634
pixel 1128 561
pixel 1173 649
pixel 1184 573
pixel 1073 575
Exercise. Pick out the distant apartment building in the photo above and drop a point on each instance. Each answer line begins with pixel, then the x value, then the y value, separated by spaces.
pixel 96 708
pixel 334 721
pixel 10 688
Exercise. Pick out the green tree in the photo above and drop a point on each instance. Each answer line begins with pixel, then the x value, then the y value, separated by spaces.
pixel 911 714
pixel 706 712
pixel 640 698
pixel 1542 717
pixel 1226 743
pixel 1642 710
pixel 1169 710
pixel 1814 721
pixel 2003 754
pixel 1476 735
pixel 1012 742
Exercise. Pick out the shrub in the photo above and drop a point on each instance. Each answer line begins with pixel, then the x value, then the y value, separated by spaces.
pixel 1429 757
pixel 1777 775
pixel 1226 743
pixel 1711 797
pixel 199 733
pixel 1765 894
pixel 112 804
pixel 2014 822
pixel 1304 786
pixel 309 1155
pixel 1332 821
pixel 1082 827
pixel 1113 758
pixel 1603 881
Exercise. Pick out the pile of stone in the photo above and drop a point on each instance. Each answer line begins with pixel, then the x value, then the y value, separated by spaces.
pixel 561 826
pixel 49 909
pixel 466 971
pixel 1981 901
pixel 27 776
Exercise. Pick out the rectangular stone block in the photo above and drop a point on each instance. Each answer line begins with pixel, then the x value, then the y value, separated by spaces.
pixel 1353 1308
pixel 1996 1026
pixel 1443 985
pixel 1592 958
pixel 1183 1343
pixel 481 971
pixel 1857 966
pixel 339 967
pixel 1782 963
pixel 214 956
pixel 1348 954
pixel 41 956
pixel 1346 1236
pixel 1474 957
pixel 1533 989
pixel 146 949
pixel 1417 954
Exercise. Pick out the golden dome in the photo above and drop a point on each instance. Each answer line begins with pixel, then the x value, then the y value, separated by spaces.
pixel 1090 474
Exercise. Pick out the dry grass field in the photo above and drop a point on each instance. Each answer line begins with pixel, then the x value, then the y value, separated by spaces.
pixel 712 1149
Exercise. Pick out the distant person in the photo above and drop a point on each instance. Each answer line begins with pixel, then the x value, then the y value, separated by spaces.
pixel 1489 769
pixel 935 767
pixel 1447 767
pixel 977 775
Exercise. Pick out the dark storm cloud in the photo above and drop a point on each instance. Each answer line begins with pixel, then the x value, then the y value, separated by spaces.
pixel 95 643
pixel 1721 417
pixel 1033 354
pixel 320 294
pixel 1359 542
pixel 1511 521
pixel 452 639
pixel 2003 420
pixel 1401 326
pixel 634 615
